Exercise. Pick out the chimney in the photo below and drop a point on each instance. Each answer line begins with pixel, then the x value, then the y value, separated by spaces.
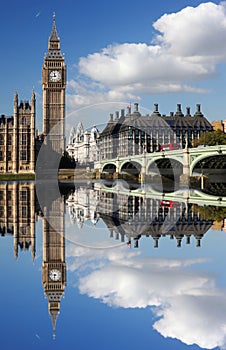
pixel 117 115
pixel 188 111
pixel 179 107
pixel 156 107
pixel 111 117
pixel 198 242
pixel 122 112
pixel 129 110
pixel 198 108
pixel 135 107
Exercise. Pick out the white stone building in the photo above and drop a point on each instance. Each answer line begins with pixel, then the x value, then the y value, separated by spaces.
pixel 83 145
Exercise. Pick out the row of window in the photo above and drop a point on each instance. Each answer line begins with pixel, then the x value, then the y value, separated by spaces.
pixel 23 195
pixel 23 155
pixel 23 211
pixel 23 139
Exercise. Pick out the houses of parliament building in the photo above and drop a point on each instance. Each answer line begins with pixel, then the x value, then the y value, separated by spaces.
pixel 19 139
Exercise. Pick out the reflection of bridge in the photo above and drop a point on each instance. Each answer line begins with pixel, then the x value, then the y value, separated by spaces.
pixel 186 195
pixel 189 161
pixel 132 214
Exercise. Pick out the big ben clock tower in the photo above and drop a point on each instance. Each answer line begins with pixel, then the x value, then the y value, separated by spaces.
pixel 53 87
pixel 54 265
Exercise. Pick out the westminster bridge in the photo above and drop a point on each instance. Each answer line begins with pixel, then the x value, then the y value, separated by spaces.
pixel 209 161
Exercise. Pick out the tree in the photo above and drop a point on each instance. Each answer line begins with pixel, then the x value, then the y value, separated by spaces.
pixel 213 138
pixel 67 162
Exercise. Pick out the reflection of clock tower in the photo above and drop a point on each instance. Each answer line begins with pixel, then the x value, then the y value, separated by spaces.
pixel 53 86
pixel 54 266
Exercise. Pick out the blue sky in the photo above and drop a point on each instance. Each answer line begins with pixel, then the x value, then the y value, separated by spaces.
pixel 118 52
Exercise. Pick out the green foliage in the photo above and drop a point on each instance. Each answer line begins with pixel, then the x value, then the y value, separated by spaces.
pixel 213 138
pixel 211 212
pixel 67 162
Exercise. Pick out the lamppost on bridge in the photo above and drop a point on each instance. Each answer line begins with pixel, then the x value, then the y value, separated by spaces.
pixel 202 176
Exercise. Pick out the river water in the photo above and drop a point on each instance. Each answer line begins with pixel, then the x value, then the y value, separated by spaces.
pixel 111 266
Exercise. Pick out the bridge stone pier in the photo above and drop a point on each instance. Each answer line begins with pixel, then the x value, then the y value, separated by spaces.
pixel 186 162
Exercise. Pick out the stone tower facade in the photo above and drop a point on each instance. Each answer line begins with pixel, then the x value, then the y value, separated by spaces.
pixel 17 214
pixel 17 138
pixel 53 86
pixel 54 266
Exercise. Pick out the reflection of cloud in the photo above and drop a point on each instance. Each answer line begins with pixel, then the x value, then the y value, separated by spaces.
pixel 140 283
pixel 195 319
pixel 189 42
pixel 187 304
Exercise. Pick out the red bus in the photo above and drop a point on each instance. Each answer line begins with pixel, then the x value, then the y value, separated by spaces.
pixel 168 204
pixel 169 147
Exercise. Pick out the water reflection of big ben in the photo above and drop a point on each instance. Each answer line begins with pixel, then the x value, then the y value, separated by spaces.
pixel 54 266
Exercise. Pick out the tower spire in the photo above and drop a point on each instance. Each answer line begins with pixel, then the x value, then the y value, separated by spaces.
pixel 54 36
pixel 54 314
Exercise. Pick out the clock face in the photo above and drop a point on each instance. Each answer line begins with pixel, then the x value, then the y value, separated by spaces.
pixel 54 76
pixel 54 275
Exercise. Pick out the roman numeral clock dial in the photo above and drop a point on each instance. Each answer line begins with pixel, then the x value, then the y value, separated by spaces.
pixel 54 76
pixel 54 275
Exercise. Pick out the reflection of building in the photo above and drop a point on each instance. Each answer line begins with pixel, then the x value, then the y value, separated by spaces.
pixel 82 206
pixel 83 145
pixel 17 214
pixel 134 217
pixel 19 209
pixel 131 217
pixel 54 266
pixel 133 133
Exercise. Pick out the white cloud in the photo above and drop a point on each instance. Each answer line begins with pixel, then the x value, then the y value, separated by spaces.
pixel 186 302
pixel 187 48
pixel 197 34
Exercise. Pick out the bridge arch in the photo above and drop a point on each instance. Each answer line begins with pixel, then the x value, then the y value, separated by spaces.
pixel 109 168
pixel 204 163
pixel 130 167
pixel 165 166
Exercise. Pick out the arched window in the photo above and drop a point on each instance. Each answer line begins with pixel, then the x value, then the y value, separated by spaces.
pixel 23 121
pixel 1 140
pixel 9 140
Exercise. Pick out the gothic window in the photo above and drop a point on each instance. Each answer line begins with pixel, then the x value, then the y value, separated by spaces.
pixel 23 195
pixel 24 229
pixel 9 195
pixel 23 139
pixel 1 156
pixel 9 140
pixel 9 209
pixel 1 140
pixel 23 211
pixel 9 155
pixel 23 155
pixel 1 195
pixel 23 121
pixel 1 210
